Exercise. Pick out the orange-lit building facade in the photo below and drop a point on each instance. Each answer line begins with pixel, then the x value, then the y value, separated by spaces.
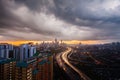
pixel 46 69
pixel 7 69
pixel 39 68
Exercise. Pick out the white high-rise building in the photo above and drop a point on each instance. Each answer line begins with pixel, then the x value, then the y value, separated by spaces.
pixel 5 49
pixel 32 50
pixel 17 53
pixel 27 51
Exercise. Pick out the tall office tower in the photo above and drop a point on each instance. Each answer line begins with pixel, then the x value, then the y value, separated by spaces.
pixel 7 69
pixel 6 50
pixel 56 43
pixel 27 51
pixel 56 40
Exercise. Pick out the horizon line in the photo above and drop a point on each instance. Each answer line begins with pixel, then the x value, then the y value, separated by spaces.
pixel 89 42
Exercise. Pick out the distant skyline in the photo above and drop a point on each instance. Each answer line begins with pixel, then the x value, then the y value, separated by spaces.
pixel 89 42
pixel 74 21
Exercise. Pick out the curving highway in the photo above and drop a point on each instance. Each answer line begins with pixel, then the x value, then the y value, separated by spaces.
pixel 71 74
pixel 72 71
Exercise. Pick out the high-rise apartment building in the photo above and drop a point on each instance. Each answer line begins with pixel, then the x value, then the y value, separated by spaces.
pixel 17 53
pixel 24 69
pixel 7 69
pixel 45 67
pixel 24 63
pixel 37 68
pixel 6 50
pixel 27 51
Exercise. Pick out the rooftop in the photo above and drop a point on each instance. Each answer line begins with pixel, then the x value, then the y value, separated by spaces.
pixel 4 60
pixel 42 62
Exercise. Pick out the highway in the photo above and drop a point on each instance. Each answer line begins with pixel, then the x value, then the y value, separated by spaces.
pixel 72 71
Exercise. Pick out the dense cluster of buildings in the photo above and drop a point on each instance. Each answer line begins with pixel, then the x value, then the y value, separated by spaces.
pixel 20 53
pixel 25 62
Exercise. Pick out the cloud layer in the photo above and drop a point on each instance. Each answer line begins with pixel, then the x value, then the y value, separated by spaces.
pixel 64 19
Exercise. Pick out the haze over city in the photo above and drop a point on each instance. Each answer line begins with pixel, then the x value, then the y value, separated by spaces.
pixel 96 21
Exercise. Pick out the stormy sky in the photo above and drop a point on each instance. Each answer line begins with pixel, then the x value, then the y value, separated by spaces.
pixel 63 19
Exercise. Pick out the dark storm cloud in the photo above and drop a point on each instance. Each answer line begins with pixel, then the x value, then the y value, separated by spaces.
pixel 10 21
pixel 32 4
pixel 100 17
pixel 79 12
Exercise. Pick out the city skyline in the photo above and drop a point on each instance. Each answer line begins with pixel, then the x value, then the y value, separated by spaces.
pixel 88 42
pixel 89 22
